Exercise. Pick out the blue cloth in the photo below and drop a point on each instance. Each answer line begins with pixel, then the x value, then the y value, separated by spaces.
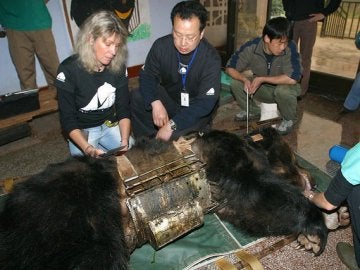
pixel 352 101
pixel 350 167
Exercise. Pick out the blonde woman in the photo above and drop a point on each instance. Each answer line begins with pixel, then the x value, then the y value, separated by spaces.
pixel 92 88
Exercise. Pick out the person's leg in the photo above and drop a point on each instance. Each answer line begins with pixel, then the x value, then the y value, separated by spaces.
pixel 202 126
pixel 74 150
pixel 286 98
pixel 103 137
pixel 142 120
pixel 305 32
pixel 173 108
pixel 265 94
pixel 141 117
pixel 23 56
pixel 354 208
pixel 92 134
pixel 111 138
pixel 45 49
pixel 296 33
pixel 237 89
pixel 352 101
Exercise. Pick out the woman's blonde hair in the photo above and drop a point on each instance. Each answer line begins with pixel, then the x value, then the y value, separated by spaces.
pixel 101 24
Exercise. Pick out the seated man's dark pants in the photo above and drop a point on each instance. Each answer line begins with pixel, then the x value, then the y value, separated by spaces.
pixel 142 120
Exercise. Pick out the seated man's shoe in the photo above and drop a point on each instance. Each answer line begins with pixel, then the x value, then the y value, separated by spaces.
pixel 285 127
pixel 346 254
pixel 241 116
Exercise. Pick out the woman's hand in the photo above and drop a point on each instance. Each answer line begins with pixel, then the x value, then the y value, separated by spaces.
pixel 91 151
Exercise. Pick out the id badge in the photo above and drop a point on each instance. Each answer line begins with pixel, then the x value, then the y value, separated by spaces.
pixel 184 99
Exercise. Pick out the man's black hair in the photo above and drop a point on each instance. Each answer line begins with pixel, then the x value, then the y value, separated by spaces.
pixel 277 28
pixel 188 9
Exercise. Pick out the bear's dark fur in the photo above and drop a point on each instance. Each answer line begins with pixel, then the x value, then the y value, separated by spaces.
pixel 281 158
pixel 258 200
pixel 67 217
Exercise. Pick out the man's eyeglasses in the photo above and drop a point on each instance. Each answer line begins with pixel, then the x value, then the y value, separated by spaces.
pixel 187 39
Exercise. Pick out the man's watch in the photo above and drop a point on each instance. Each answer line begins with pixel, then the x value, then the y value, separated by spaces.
pixel 172 124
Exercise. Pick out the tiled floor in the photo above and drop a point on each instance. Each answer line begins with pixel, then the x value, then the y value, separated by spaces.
pixel 336 56
pixel 319 128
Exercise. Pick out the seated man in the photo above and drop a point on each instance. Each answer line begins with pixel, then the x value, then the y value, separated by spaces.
pixel 180 81
pixel 276 71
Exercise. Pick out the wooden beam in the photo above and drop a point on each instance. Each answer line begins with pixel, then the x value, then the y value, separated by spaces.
pixel 48 104
pixel 14 133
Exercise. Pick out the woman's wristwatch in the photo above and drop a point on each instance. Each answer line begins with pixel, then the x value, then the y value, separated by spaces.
pixel 172 124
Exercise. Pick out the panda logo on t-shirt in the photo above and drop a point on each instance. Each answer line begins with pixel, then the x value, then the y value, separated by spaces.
pixel 103 99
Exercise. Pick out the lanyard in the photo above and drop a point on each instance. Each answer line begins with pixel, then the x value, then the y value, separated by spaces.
pixel 184 74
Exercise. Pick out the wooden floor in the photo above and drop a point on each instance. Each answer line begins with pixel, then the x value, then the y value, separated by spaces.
pixel 48 104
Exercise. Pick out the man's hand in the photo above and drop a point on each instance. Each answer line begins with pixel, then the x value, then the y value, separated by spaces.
pixel 251 86
pixel 247 86
pixel 165 132
pixel 255 84
pixel 315 17
pixel 159 113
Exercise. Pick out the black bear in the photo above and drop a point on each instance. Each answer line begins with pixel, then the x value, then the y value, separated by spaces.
pixel 281 158
pixel 259 201
pixel 67 217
